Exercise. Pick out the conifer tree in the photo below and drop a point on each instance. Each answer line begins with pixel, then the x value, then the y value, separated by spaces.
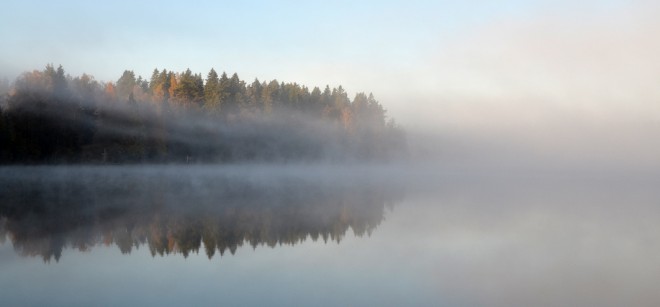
pixel 125 85
pixel 212 92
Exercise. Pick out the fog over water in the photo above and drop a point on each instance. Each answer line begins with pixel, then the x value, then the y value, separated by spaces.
pixel 372 234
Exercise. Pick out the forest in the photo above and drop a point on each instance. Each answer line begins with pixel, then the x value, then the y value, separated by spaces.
pixel 50 117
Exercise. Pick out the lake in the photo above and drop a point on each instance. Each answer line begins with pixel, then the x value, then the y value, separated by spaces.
pixel 324 235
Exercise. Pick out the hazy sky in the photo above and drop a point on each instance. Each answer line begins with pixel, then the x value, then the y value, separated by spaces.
pixel 467 62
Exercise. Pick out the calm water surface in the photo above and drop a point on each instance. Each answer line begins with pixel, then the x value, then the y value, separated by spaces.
pixel 312 235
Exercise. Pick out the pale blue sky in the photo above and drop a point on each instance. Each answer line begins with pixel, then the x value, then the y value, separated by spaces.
pixel 265 39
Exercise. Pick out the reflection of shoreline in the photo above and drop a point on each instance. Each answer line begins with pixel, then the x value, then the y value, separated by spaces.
pixel 183 210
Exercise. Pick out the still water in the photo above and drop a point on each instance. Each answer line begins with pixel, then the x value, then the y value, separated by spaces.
pixel 322 235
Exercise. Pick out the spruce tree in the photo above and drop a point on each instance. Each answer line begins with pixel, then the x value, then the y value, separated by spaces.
pixel 212 94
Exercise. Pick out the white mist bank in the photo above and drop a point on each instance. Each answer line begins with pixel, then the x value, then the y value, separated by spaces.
pixel 632 145
pixel 554 88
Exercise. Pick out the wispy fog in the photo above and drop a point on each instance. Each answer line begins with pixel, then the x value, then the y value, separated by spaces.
pixel 49 117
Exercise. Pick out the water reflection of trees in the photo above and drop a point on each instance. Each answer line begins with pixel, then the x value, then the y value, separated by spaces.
pixel 174 212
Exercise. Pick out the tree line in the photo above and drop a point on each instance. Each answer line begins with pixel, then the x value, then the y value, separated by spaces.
pixel 47 116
